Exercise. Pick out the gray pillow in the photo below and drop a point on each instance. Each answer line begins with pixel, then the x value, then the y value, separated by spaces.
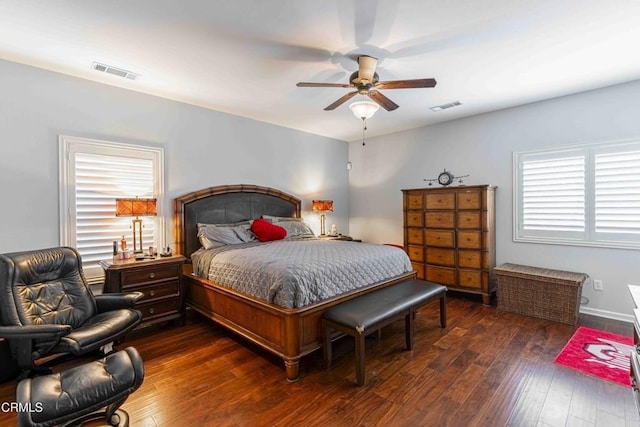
pixel 296 228
pixel 216 235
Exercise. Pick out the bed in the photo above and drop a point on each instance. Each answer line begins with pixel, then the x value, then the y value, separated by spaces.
pixel 289 333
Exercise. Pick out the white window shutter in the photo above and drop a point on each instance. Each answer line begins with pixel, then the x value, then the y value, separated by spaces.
pixel 93 175
pixel 587 195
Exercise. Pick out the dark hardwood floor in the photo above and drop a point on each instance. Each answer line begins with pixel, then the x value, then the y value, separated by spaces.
pixel 487 368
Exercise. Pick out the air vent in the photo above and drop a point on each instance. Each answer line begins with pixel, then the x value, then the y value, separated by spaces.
pixel 445 106
pixel 115 71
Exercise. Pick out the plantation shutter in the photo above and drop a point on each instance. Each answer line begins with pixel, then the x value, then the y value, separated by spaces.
pixel 96 173
pixel 553 195
pixel 586 195
pixel 617 194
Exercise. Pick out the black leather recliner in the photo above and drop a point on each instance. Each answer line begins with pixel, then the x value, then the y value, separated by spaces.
pixel 46 307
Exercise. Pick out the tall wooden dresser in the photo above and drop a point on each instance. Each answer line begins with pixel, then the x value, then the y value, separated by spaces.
pixel 449 235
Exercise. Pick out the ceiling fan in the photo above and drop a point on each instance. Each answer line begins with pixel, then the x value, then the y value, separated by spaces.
pixel 366 82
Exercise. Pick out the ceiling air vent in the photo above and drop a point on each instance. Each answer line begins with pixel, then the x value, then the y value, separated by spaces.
pixel 115 71
pixel 445 106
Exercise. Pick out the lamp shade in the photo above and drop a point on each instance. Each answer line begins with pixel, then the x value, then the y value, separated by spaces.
pixel 322 206
pixel 364 109
pixel 136 207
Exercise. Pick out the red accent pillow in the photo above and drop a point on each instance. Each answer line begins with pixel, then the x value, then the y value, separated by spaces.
pixel 265 231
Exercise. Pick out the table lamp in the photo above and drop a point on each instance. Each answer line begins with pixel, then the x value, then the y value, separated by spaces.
pixel 322 206
pixel 136 207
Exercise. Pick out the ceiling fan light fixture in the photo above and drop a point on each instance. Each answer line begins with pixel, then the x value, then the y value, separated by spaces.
pixel 364 109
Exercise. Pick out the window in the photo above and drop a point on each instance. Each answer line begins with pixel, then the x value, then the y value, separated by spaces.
pixel 92 175
pixel 586 195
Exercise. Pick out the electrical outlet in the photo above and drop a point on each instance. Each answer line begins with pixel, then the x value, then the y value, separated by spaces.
pixel 597 285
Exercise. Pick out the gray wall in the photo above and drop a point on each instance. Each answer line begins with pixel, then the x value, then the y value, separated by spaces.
pixel 203 148
pixel 482 147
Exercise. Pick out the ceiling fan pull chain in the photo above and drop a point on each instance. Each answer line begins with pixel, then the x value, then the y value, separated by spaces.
pixel 364 128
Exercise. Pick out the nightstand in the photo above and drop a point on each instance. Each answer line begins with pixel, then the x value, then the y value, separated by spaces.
pixel 160 281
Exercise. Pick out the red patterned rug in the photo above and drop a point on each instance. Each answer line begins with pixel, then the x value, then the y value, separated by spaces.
pixel 598 353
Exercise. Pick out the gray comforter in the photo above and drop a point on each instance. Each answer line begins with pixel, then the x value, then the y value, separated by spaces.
pixel 294 273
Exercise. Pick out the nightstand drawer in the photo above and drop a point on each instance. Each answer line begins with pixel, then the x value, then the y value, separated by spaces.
pixel 151 310
pixel 162 290
pixel 141 276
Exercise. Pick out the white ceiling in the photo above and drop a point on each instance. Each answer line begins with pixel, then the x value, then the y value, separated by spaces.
pixel 245 56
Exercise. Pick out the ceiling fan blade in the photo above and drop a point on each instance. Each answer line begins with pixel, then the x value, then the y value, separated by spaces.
pixel 382 100
pixel 309 84
pixel 406 84
pixel 366 68
pixel 341 101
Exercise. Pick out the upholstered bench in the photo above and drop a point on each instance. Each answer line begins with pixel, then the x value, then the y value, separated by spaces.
pixel 76 395
pixel 369 313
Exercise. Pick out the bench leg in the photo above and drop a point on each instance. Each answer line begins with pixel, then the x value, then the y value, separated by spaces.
pixel 443 311
pixel 326 344
pixel 360 358
pixel 409 326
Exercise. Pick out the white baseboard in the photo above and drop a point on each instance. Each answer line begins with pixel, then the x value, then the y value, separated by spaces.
pixel 607 314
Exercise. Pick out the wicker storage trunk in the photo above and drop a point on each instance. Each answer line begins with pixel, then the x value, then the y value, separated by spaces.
pixel 540 292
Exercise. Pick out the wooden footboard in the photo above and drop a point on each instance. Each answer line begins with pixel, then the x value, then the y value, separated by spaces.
pixel 288 333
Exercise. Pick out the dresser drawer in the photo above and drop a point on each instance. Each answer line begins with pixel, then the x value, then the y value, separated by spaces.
pixel 469 200
pixel 161 290
pixel 441 201
pixel 440 238
pixel 441 256
pixel 470 219
pixel 445 276
pixel 414 236
pixel 470 259
pixel 416 253
pixel 152 274
pixel 158 308
pixel 414 219
pixel 469 239
pixel 439 219
pixel 415 200
pixel 470 279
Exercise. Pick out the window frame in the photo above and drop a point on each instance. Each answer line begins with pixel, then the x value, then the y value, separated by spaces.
pixel 589 238
pixel 67 188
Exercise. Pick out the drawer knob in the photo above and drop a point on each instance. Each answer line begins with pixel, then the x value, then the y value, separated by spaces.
pixel 152 293
pixel 152 275
pixel 152 310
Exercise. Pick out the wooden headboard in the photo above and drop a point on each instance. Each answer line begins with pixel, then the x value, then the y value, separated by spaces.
pixel 223 205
